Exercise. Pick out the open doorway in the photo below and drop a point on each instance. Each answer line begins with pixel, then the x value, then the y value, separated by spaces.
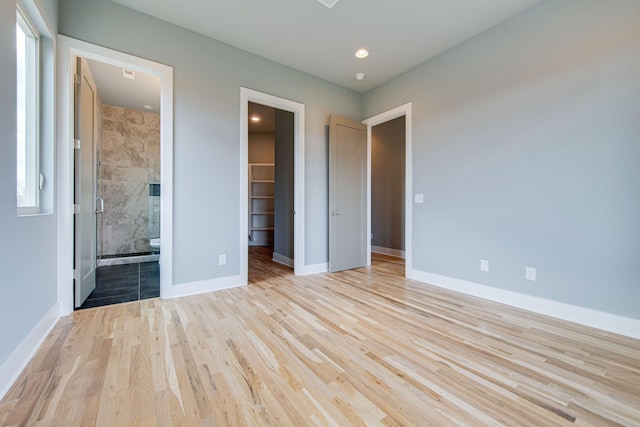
pixel 270 190
pixel 387 187
pixel 71 51
pixel 292 117
pixel 125 178
pixel 389 140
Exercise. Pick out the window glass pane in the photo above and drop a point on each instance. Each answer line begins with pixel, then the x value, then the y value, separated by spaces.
pixel 26 114
pixel 21 113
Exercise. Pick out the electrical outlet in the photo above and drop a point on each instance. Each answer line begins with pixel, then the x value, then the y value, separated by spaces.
pixel 222 259
pixel 530 273
pixel 484 265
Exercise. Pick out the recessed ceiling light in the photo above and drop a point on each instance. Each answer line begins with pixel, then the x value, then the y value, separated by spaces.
pixel 128 74
pixel 255 118
pixel 329 3
pixel 360 76
pixel 362 53
pixel 148 107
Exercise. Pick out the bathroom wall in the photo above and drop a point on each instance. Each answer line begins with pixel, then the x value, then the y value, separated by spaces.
pixel 261 147
pixel 130 162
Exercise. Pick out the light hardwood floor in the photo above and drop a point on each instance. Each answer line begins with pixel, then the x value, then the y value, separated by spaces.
pixel 363 347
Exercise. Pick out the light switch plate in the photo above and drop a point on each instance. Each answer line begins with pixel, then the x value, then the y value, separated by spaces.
pixel 222 259
pixel 484 265
pixel 419 198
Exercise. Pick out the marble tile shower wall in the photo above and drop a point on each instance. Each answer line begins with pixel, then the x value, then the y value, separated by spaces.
pixel 130 162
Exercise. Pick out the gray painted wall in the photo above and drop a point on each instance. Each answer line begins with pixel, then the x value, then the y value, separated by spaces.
pixel 207 80
pixel 387 184
pixel 526 145
pixel 28 248
pixel 261 147
pixel 283 218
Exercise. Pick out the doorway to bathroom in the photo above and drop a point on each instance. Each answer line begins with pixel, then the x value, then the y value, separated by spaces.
pixel 119 128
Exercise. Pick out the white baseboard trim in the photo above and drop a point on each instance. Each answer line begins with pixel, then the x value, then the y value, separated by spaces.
pixel 17 361
pixel 281 259
pixel 581 315
pixel 314 269
pixel 387 251
pixel 200 287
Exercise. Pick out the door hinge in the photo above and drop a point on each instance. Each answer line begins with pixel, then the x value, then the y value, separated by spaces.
pixel 76 209
pixel 76 79
pixel 76 274
pixel 76 144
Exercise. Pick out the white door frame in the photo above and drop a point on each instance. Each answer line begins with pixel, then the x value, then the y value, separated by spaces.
pixel 68 50
pixel 394 113
pixel 246 96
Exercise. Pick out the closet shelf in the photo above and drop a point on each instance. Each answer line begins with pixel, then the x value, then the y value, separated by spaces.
pixel 261 203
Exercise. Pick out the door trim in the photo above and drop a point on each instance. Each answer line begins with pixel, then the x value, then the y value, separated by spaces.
pixel 68 50
pixel 246 96
pixel 394 113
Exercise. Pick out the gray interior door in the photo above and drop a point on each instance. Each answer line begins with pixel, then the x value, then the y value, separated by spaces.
pixel 84 184
pixel 347 194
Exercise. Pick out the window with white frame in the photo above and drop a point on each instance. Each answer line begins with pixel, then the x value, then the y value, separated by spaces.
pixel 28 141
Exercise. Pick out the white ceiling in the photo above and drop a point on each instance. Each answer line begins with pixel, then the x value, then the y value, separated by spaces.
pixel 307 36
pixel 267 116
pixel 116 90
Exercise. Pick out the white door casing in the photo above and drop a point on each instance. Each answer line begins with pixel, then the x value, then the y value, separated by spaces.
pixel 406 111
pixel 68 50
pixel 246 96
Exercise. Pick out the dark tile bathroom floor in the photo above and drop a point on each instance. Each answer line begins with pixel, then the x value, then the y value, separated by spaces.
pixel 124 283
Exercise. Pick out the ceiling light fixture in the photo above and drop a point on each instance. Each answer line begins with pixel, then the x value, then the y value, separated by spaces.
pixel 328 3
pixel 360 76
pixel 362 53
pixel 255 119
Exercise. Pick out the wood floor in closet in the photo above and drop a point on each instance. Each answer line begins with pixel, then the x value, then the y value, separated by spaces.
pixel 361 347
